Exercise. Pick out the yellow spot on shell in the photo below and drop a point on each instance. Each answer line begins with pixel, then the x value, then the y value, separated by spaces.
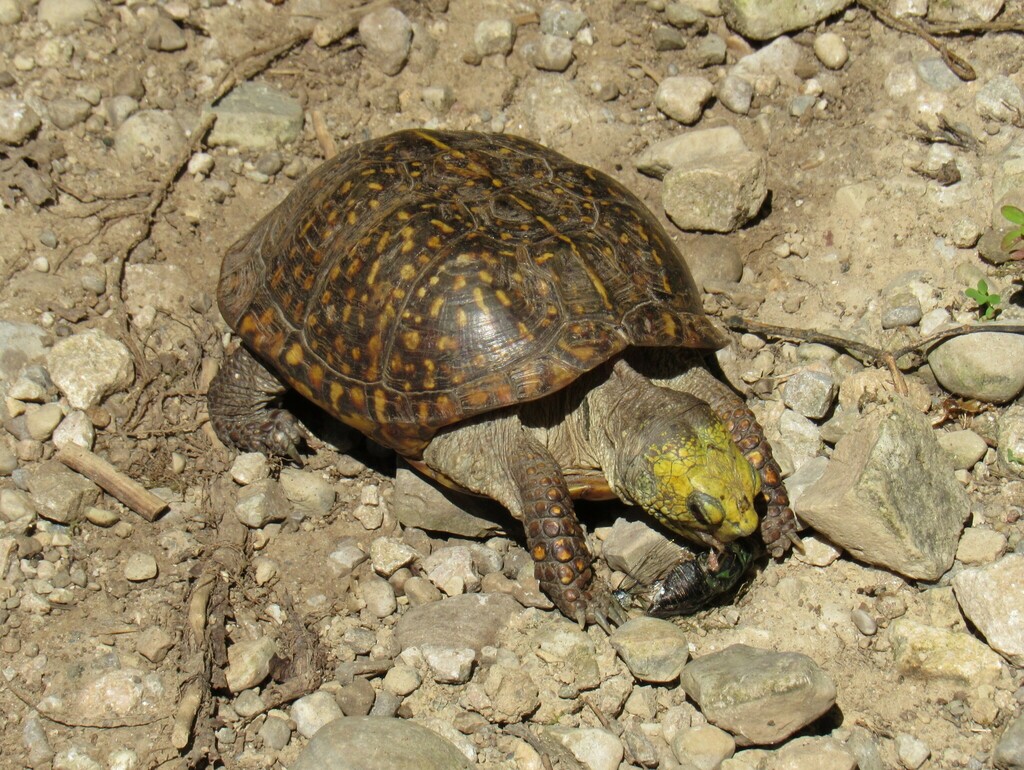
pixel 444 227
pixel 478 298
pixel 294 355
pixel 459 283
pixel 503 298
pixel 408 272
pixel 435 307
pixel 352 217
pixel 336 393
pixel 433 242
pixel 411 340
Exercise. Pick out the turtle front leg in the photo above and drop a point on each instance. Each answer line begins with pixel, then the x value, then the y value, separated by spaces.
pixel 239 400
pixel 495 457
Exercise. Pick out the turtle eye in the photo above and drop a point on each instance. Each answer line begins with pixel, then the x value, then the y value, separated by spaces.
pixel 705 509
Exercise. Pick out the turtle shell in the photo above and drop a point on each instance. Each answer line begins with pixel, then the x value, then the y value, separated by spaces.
pixel 425 277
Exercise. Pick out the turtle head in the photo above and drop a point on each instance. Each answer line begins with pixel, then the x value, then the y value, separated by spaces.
pixel 692 477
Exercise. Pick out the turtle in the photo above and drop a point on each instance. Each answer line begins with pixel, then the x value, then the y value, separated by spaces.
pixel 516 325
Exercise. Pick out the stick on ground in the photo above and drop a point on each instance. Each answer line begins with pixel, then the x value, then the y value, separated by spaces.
pixel 112 481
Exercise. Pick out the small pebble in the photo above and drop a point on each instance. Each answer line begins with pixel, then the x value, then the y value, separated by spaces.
pixel 912 752
pixel 831 50
pixel 101 517
pixel 864 622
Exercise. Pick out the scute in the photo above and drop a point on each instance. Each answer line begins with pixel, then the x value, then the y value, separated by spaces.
pixel 431 276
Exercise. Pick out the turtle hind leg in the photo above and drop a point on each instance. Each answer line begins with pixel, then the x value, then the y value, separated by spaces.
pixel 497 458
pixel 239 401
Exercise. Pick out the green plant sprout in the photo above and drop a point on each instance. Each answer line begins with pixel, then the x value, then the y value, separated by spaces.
pixel 987 303
pixel 1016 217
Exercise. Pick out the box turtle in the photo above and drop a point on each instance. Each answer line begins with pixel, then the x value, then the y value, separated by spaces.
pixel 515 324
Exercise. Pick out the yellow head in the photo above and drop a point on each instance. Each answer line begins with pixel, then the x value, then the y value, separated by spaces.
pixel 697 482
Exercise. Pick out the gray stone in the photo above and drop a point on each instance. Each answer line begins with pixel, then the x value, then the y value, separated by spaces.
pixel 387 36
pixel 800 436
pixel 938 653
pixel 60 494
pixel 901 308
pixel 685 16
pixel 140 566
pixel 668 39
pixel 309 493
pixel 249 467
pixel 810 392
pixel 348 555
pixel 988 366
pixel 418 503
pixel 313 711
pixel 261 503
pixel 164 35
pixel 679 151
pixel 256 116
pixel 275 733
pixel 963 10
pixel 567 648
pixel 912 752
pixel 653 650
pixel 511 693
pixel 719 194
pixel 378 743
pixel 42 421
pixel 1009 753
pixel 20 344
pixel 992 598
pixel 494 37
pixel 68 111
pixel 761 697
pixel 683 97
pixel 767 19
pixel 388 555
pixel 736 93
pixel 76 429
pixel 67 15
pixel 119 108
pixel 18 121
pixel 1010 454
pixel 562 20
pixel 449 664
pixel 249 662
pixel 595 748
pixel 89 366
pixel 638 550
pixel 147 137
pixel 710 51
pixel 775 62
pixel 1000 99
pixel 469 620
pixel 936 74
pixel 154 643
pixel 378 595
pixel 965 447
pixel 552 53
pixel 402 680
pixel 889 496
pixel 815 753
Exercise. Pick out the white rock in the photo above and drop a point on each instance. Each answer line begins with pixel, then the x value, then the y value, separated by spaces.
pixel 75 430
pixel 388 555
pixel 992 598
pixel 67 15
pixel 17 121
pixel 597 749
pixel 249 467
pixel 87 367
pixel 313 711
pixel 683 97
pixel 249 662
pixel 831 50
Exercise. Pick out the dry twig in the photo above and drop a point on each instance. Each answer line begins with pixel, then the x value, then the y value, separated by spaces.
pixel 112 481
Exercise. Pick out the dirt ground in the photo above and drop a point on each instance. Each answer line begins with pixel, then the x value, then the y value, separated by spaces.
pixel 816 262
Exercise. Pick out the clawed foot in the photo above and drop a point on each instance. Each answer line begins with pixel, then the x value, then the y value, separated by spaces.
pixel 595 606
pixel 281 435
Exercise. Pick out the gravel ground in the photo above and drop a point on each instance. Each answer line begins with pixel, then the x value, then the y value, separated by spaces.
pixel 190 608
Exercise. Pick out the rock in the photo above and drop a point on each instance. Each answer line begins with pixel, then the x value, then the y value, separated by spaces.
pixel 1000 99
pixel 831 50
pixel 309 493
pixel 630 545
pixel 761 697
pixel 140 567
pixel 964 10
pixel 313 711
pixel 402 680
pixel 810 392
pixel 937 653
pixel 980 546
pixel 705 747
pixel 988 366
pixel 388 555
pixel 901 308
pixel 965 447
pixel 164 35
pixel 469 620
pixel 451 569
pixel 378 595
pixel 1010 454
pixel 148 137
pixel 653 650
pixel 562 20
pixel 249 467
pixel 1009 752
pixel 18 121
pixel 416 502
pixel 249 662
pixel 111 692
pixel 10 13
pixel 668 39
pixel 814 753
pixel 597 749
pixel 75 430
pixel 992 598
pixel 661 157
pixel 552 53
pixel 378 743
pixel 89 366
pixel 937 74
pixel 774 63
pixel 494 37
pixel 448 664
pixel 387 36
pixel 60 494
pixel 64 16
pixel 154 643
pixel 275 733
pixel 68 111
pixel 710 51
pixel 683 97
pixel 801 437
pixel 735 93
pixel 911 751
pixel 511 692
pixel 767 19
pixel 40 423
pixel 256 116
pixel 816 552
pixel 261 503
pixel 20 344
pixel 719 194
pixel 889 496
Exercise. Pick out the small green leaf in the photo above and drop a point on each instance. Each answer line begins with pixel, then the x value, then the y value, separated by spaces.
pixel 1009 239
pixel 1014 214
pixel 982 286
pixel 974 294
pixel 993 299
